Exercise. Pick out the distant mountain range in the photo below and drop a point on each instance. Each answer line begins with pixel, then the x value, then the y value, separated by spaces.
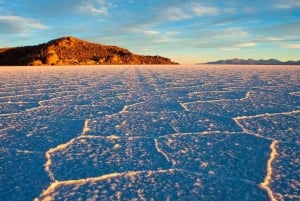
pixel 73 51
pixel 254 62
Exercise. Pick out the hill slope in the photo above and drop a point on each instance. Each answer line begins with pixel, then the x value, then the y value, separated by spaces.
pixel 254 62
pixel 73 51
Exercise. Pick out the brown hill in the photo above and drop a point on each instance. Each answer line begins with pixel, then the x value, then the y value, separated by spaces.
pixel 73 51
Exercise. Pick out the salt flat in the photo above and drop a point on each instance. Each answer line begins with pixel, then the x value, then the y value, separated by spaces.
pixel 205 132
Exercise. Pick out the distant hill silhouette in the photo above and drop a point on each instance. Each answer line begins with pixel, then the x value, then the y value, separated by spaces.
pixel 73 51
pixel 254 62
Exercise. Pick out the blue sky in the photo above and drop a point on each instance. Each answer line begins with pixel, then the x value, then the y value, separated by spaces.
pixel 188 31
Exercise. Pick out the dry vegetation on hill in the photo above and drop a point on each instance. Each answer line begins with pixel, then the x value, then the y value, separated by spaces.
pixel 73 51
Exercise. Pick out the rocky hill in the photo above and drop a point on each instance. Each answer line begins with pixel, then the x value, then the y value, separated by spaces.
pixel 73 51
pixel 254 62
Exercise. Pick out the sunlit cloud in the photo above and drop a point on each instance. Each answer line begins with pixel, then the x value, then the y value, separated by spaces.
pixel 150 33
pixel 16 24
pixel 291 46
pixel 273 39
pixel 247 44
pixel 155 37
pixel 278 40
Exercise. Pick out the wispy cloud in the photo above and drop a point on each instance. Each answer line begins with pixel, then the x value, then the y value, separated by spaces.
pixel 234 33
pixel 228 34
pixel 288 4
pixel 154 37
pixel 175 13
pixel 150 33
pixel 273 39
pixel 291 46
pixel 199 10
pixel 187 11
pixel 16 24
pixel 95 7
pixel 88 8
pixel 251 44
pixel 289 29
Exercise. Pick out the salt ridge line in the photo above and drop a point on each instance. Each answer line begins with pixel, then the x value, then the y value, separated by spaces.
pixel 266 115
pixel 46 194
pixel 199 92
pixel 296 93
pixel 128 106
pixel 161 151
pixel 36 108
pixel 212 101
pixel 51 99
pixel 266 183
pixel 85 127
pixel 48 153
pixel 9 114
pixel 183 105
pixel 174 127
pixel 199 133
pixel 249 132
pixel 247 96
pixel 53 186
pixel 41 102
pixel 19 95
pixel 48 163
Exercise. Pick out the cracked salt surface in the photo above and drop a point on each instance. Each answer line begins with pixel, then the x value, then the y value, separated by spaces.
pixel 150 133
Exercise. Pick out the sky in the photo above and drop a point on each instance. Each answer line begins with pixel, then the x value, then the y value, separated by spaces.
pixel 187 31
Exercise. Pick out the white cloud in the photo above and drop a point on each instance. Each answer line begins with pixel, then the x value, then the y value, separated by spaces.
pixel 187 11
pixel 150 33
pixel 155 37
pixel 93 10
pixel 247 44
pixel 167 37
pixel 235 32
pixel 273 39
pixel 175 13
pixel 200 10
pixel 16 24
pixel 291 46
pixel 95 7
pixel 288 4
pixel 226 34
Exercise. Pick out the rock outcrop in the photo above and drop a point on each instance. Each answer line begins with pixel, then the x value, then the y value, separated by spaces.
pixel 73 51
